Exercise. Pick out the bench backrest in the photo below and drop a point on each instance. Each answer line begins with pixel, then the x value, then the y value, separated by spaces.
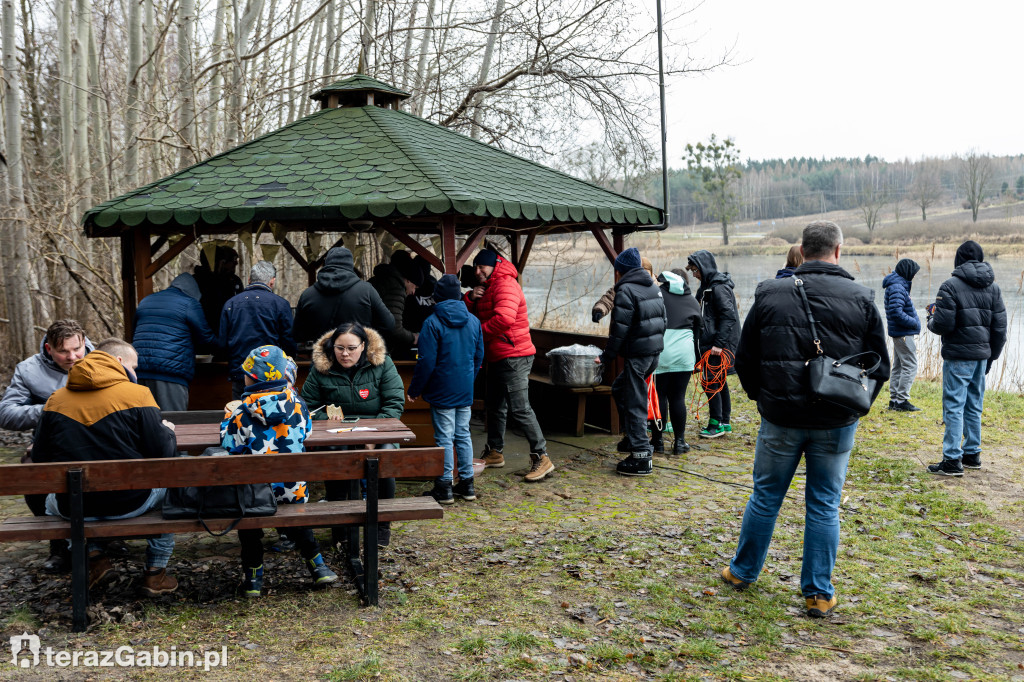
pixel 176 472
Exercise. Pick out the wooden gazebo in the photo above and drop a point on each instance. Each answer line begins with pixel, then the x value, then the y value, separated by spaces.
pixel 360 164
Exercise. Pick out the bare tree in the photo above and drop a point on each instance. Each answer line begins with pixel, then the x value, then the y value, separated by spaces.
pixel 925 189
pixel 974 174
pixel 871 199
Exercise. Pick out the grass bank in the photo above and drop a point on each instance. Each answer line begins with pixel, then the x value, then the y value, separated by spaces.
pixel 591 576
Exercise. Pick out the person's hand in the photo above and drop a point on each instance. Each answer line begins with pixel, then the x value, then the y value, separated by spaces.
pixel 415 338
pixel 597 360
pixel 476 293
pixel 168 424
pixel 411 398
pixel 596 315
pixel 715 350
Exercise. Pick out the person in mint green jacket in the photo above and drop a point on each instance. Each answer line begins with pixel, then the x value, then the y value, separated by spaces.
pixel 677 360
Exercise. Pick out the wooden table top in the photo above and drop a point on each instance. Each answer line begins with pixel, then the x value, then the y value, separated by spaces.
pixel 195 438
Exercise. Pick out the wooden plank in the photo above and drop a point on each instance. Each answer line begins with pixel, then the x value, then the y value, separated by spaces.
pixel 195 438
pixel 139 474
pixel 141 254
pixel 525 253
pixel 602 241
pixel 168 255
pixel 194 417
pixel 470 246
pixel 315 515
pixel 450 256
pixel 414 245
pixel 128 301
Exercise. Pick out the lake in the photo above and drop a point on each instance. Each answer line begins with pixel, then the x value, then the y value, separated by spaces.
pixel 569 293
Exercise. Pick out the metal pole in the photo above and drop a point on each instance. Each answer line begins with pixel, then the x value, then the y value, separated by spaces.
pixel 664 155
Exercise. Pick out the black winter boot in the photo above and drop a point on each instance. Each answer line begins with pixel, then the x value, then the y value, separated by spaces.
pixel 637 464
pixel 442 492
pixel 464 490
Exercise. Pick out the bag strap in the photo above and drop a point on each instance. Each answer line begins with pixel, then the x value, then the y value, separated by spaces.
pixel 231 526
pixel 878 360
pixel 810 316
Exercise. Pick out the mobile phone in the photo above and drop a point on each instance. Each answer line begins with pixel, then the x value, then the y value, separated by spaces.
pixel 349 420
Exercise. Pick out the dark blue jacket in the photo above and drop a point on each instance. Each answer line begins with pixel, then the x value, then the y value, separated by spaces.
pixel 451 351
pixel 169 327
pixel 899 308
pixel 256 317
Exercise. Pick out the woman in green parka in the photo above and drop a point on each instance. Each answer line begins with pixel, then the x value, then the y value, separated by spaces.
pixel 351 369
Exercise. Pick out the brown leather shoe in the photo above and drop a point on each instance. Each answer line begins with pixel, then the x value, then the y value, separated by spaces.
pixel 540 467
pixel 820 606
pixel 100 568
pixel 493 459
pixel 729 579
pixel 155 582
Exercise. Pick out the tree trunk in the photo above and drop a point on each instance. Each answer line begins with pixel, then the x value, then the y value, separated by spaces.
pixel 368 37
pixel 331 57
pixel 407 57
pixel 67 101
pixel 80 49
pixel 216 52
pixel 485 67
pixel 292 62
pixel 131 116
pixel 186 84
pixel 15 232
pixel 420 84
pixel 101 164
pixel 240 46
pixel 725 233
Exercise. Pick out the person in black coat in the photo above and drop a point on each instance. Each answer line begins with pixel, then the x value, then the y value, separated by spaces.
pixel 338 296
pixel 720 332
pixel 795 429
pixel 636 334
pixel 970 315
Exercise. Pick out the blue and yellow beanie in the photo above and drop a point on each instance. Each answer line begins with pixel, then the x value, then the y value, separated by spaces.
pixel 267 363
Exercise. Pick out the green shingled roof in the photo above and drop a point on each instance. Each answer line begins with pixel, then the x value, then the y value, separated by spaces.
pixel 359 83
pixel 363 162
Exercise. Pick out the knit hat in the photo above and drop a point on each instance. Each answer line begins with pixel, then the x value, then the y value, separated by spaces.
pixel 486 257
pixel 969 250
pixel 406 267
pixel 906 268
pixel 291 371
pixel 628 260
pixel 266 363
pixel 447 289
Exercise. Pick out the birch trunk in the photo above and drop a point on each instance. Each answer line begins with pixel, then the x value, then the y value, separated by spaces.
pixel 332 38
pixel 150 47
pixel 186 84
pixel 311 60
pixel 216 81
pixel 292 59
pixel 243 29
pixel 15 232
pixel 131 114
pixel 420 85
pixel 67 100
pixel 406 59
pixel 368 36
pixel 97 105
pixel 485 67
pixel 80 48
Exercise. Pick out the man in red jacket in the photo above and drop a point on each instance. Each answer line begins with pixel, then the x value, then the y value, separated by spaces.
pixel 500 304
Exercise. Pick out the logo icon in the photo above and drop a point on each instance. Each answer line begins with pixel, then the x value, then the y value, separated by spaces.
pixel 23 648
pixel 364 393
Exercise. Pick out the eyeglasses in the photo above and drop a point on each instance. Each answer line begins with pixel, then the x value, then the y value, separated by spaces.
pixel 347 349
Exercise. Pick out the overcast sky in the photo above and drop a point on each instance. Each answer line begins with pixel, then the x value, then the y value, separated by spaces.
pixel 895 78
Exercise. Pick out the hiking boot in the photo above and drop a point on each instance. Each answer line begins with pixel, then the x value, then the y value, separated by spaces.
pixel 493 459
pixel 714 430
pixel 947 467
pixel 442 492
pixel 658 447
pixel 464 490
pixel 155 582
pixel 59 560
pixel 892 405
pixel 320 572
pixel 116 548
pixel 681 447
pixel 252 582
pixel 637 464
pixel 100 568
pixel 622 445
pixel 283 544
pixel 905 406
pixel 384 534
pixel 732 581
pixel 971 461
pixel 540 467
pixel 820 606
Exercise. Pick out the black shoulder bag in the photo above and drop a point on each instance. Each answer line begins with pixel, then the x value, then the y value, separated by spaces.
pixel 843 382
pixel 220 501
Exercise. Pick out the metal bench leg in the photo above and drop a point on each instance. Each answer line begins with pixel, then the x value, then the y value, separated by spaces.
pixel 370 533
pixel 79 554
pixel 355 566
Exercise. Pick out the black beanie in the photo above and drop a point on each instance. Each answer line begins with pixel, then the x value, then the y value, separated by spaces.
pixel 447 289
pixel 628 260
pixel 969 250
pixel 486 257
pixel 907 268
pixel 406 267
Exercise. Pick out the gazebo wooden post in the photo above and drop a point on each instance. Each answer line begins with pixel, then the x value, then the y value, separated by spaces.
pixel 140 257
pixel 128 302
pixel 449 255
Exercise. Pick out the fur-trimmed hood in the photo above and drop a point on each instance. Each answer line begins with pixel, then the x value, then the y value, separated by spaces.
pixel 376 351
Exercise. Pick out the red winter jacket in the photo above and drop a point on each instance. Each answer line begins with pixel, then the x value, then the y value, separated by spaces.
pixel 502 313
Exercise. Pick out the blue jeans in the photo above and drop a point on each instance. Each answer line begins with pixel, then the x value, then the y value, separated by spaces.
pixel 826 453
pixel 963 390
pixel 158 549
pixel 451 432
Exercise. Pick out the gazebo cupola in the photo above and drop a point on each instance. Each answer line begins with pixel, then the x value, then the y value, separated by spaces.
pixel 359 91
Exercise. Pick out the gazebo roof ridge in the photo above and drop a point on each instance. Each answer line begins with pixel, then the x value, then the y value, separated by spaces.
pixel 359 83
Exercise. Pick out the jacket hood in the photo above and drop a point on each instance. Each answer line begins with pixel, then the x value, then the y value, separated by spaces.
pixel 504 269
pixel 376 350
pixel 705 262
pixel 270 403
pixel 186 283
pixel 48 360
pixel 820 267
pixel 907 268
pixel 95 371
pixel 452 313
pixel 978 274
pixel 338 272
pixel 895 278
pixel 635 276
pixel 784 272
pixel 673 283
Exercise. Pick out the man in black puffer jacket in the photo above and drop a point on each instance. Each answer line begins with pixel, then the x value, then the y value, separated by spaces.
pixel 338 296
pixel 774 347
pixel 720 332
pixel 637 335
pixel 970 315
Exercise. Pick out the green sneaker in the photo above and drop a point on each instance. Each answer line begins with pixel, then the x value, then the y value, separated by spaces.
pixel 668 428
pixel 714 430
pixel 727 427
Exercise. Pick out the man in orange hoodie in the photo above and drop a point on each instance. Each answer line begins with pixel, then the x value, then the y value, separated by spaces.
pixel 500 304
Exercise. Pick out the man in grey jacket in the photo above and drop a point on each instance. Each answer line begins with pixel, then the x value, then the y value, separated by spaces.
pixel 34 380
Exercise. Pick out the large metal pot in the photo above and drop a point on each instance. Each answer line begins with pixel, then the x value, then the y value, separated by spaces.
pixel 577 369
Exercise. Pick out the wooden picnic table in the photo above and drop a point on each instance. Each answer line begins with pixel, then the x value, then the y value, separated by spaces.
pixel 194 438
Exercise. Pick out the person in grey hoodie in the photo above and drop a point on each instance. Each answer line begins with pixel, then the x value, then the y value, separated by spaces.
pixel 21 408
pixel 170 327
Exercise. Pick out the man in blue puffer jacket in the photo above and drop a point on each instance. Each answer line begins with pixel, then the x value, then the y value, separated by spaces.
pixel 169 327
pixel 904 325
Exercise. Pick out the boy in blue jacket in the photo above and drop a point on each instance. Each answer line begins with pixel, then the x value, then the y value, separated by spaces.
pixel 451 351
pixel 904 324
pixel 271 418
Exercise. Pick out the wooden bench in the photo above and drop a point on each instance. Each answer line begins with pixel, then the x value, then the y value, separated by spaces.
pixel 76 478
pixel 544 391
